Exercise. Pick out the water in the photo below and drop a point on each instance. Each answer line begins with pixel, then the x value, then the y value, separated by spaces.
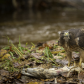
pixel 37 26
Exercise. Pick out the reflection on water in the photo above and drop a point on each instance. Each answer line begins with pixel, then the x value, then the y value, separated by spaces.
pixel 38 26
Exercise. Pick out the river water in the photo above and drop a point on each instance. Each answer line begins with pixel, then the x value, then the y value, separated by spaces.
pixel 35 26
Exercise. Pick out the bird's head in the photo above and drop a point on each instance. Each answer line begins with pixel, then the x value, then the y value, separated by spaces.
pixel 64 39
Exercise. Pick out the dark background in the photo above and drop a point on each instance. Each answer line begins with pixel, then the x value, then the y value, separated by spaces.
pixel 38 20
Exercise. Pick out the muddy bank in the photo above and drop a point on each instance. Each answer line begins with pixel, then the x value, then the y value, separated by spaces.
pixel 43 55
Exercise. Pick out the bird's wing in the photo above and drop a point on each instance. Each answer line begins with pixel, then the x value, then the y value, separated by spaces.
pixel 80 38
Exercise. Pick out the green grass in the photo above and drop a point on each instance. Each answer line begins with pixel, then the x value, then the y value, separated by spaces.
pixel 20 52
pixel 13 50
pixel 49 55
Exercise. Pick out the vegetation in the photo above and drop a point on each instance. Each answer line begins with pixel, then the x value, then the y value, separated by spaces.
pixel 14 58
pixel 18 57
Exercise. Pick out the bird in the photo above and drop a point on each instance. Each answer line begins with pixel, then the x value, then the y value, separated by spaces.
pixel 72 40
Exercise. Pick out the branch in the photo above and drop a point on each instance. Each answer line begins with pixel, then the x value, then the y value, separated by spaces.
pixel 46 73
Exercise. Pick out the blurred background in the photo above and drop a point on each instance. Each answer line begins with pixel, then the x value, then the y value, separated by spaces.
pixel 38 20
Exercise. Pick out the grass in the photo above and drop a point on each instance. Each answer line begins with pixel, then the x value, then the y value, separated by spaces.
pixel 13 51
pixel 18 52
pixel 49 55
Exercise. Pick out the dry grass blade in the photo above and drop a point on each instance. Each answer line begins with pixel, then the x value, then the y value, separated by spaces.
pixel 56 52
pixel 17 50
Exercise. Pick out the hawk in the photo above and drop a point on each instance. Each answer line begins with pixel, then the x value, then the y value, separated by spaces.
pixel 72 40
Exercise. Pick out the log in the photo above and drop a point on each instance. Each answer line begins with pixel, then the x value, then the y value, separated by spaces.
pixel 48 73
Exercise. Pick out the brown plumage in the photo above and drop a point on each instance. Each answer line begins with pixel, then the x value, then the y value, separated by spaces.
pixel 73 40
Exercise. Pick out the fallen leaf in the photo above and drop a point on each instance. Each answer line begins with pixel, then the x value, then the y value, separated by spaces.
pixel 36 55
